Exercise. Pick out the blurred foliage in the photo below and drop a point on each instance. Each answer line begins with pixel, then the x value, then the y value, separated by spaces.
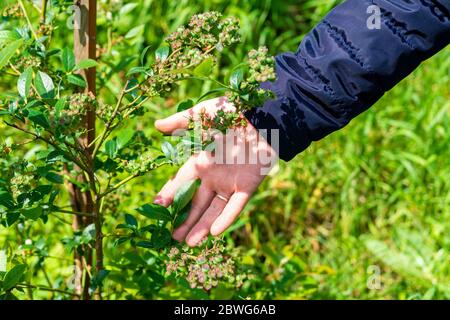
pixel 374 197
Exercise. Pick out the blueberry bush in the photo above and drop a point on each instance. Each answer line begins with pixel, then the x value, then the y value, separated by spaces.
pixel 79 154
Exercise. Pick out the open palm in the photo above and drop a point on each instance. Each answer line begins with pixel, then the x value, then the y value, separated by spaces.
pixel 227 182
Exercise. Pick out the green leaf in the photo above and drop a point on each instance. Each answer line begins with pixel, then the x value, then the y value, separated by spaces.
pixel 60 106
pixel 7 36
pixel 184 195
pixel 11 217
pixel 145 244
pixel 161 238
pixel 134 32
pixel 8 52
pixel 44 85
pixel 6 199
pixel 54 177
pixel 40 192
pixel 24 82
pixel 131 220
pixel 143 54
pixel 204 69
pixel 136 70
pixel 14 276
pixel 124 138
pixel 77 80
pixel 162 53
pixel 185 105
pixel 68 59
pixel 127 8
pixel 39 118
pixel 181 216
pixel 111 148
pixel 122 226
pixel 236 78
pixel 154 211
pixel 32 213
pixel 211 92
pixel 86 64
pixel 168 150
pixel 97 280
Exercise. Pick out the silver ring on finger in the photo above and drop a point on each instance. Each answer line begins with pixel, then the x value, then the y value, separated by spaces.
pixel 223 198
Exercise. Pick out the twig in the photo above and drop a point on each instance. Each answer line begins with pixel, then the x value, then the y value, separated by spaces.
pixel 69 156
pixel 110 122
pixel 60 219
pixel 119 184
pixel 28 19
pixel 24 285
pixel 44 11
pixel 73 212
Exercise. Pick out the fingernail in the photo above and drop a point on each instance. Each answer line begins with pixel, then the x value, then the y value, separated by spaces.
pixel 193 241
pixel 214 230
pixel 158 200
pixel 158 124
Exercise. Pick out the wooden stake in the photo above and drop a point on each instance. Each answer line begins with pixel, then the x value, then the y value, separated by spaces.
pixel 85 48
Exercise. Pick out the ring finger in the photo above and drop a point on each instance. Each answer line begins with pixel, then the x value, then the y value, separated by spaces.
pixel 201 229
pixel 200 203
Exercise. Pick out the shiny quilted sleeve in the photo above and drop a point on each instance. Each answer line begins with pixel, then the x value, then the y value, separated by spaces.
pixel 343 66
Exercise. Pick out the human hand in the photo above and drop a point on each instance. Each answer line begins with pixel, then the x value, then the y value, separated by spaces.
pixel 229 175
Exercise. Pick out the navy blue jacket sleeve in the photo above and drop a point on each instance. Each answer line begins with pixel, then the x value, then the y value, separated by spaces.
pixel 342 67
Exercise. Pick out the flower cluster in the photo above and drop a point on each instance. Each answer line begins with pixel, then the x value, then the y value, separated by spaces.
pixel 261 68
pixel 206 31
pixel 45 29
pixel 28 61
pixel 203 267
pixel 104 111
pixel 113 200
pixel 141 165
pixel 21 176
pixel 188 47
pixel 12 11
pixel 222 120
pixel 80 103
pixel 5 150
pixel 75 109
pixel 20 183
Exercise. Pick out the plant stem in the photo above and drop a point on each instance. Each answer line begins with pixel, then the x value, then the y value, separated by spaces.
pixel 73 212
pixel 119 184
pixel 129 112
pixel 44 11
pixel 28 19
pixel 24 285
pixel 47 278
pixel 98 221
pixel 110 122
pixel 48 141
